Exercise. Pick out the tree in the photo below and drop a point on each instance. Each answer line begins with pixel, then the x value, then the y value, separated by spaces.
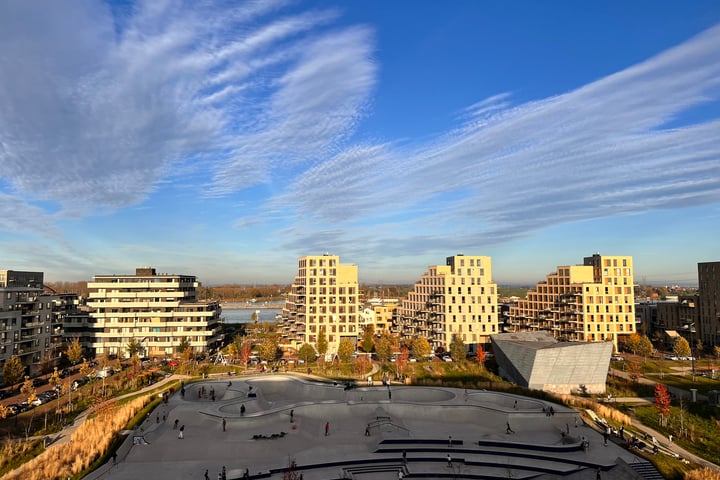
pixel 681 348
pixel 384 347
pixel 645 348
pixel 632 343
pixel 322 343
pixel 402 361
pixel 420 348
pixel 346 349
pixel 28 390
pixel 54 379
pixel 368 339
pixel 132 348
pixel 184 345
pixel 458 352
pixel 245 352
pixel 306 353
pixel 268 349
pixel 481 356
pixel 634 370
pixel 84 368
pixel 13 371
pixel 662 402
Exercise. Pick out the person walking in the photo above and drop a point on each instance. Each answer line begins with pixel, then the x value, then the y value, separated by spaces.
pixel 175 424
pixel 242 410
pixel 327 428
pixel 224 473
pixel 508 430
pixel 224 424
pixel 207 475
pixel 114 456
pixel 367 430
pixel 292 416
pixel 181 435
pixel 404 457
pixel 449 441
pixel 449 461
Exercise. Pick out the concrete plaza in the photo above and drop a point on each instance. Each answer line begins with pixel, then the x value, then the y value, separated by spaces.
pixel 369 426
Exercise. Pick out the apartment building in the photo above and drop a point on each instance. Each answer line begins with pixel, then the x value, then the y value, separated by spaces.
pixel 591 302
pixel 323 297
pixel 458 298
pixel 30 321
pixel 708 327
pixel 157 311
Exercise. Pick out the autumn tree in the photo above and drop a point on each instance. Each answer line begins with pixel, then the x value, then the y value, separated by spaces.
pixel 420 348
pixel 13 371
pixel 322 344
pixel 632 343
pixel 681 348
pixel 481 356
pixel 132 347
pixel 662 402
pixel 402 361
pixel 268 349
pixel 458 352
pixel 368 339
pixel 645 348
pixel 74 351
pixel 634 370
pixel 306 353
pixel 54 379
pixel 183 346
pixel 28 390
pixel 84 368
pixel 384 347
pixel 346 349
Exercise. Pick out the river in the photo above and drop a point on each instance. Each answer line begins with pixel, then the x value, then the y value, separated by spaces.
pixel 243 314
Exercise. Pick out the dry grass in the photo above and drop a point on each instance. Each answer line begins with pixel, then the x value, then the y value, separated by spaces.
pixel 703 474
pixel 89 442
pixel 602 411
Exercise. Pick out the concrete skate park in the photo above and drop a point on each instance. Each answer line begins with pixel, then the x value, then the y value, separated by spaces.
pixel 370 427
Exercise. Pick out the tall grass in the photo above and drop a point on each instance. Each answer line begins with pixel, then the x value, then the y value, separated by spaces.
pixel 90 441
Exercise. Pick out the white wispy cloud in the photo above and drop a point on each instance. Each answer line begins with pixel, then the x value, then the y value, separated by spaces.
pixel 107 105
pixel 601 150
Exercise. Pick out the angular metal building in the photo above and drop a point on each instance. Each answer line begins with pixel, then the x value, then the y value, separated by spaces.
pixel 539 361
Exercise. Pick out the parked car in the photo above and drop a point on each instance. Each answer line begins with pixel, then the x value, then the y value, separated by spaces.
pixel 671 357
pixel 79 383
pixel 617 358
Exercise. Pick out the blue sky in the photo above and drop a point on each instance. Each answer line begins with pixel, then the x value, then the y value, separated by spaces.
pixel 227 139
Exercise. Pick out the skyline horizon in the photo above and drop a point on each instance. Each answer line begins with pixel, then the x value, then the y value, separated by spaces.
pixel 530 283
pixel 228 138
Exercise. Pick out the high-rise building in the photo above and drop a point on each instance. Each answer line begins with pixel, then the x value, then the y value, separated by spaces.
pixel 159 312
pixel 30 321
pixel 458 298
pixel 709 299
pixel 323 299
pixel 591 302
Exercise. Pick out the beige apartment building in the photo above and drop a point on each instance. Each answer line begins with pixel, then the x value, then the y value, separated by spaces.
pixel 158 311
pixel 592 302
pixel 323 297
pixel 458 298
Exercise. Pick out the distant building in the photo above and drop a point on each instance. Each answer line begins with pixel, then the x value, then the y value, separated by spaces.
pixel 537 360
pixel 30 321
pixel 380 314
pixel 592 302
pixel 323 297
pixel 458 298
pixel 709 301
pixel 157 311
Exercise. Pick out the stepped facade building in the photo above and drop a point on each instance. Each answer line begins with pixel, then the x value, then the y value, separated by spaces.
pixel 324 299
pixel 458 298
pixel 159 312
pixel 592 302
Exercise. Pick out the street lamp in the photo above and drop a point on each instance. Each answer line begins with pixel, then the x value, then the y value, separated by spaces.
pixel 690 327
